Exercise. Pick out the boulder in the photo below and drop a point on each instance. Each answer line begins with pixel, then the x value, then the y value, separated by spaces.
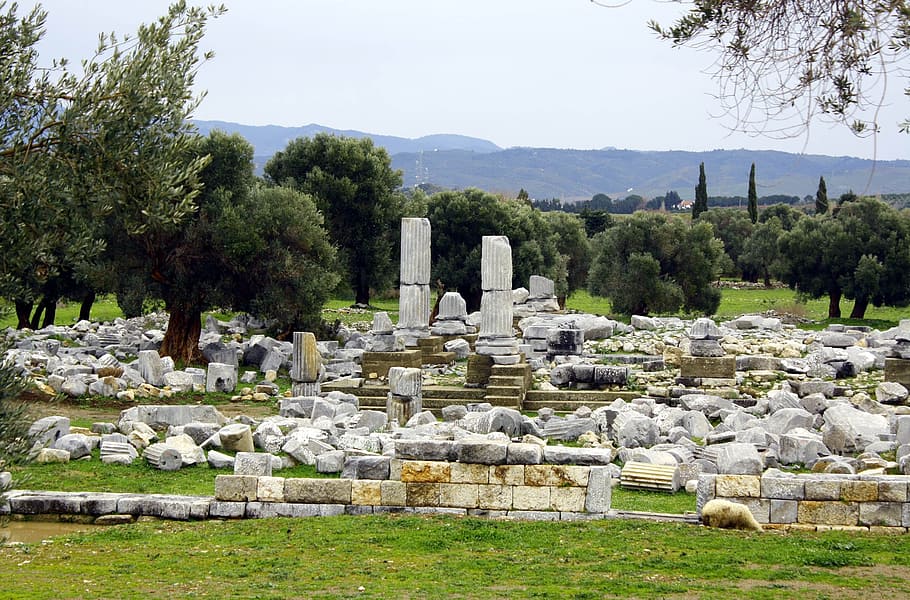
pixel 739 459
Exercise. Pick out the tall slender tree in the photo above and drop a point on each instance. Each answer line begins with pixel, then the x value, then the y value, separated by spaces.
pixel 701 193
pixel 821 197
pixel 753 196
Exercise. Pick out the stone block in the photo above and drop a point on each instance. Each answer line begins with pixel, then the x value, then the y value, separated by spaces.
pixel 892 491
pixel 422 471
pixel 859 491
pixel 530 498
pixel 783 511
pixel 706 491
pixel 494 497
pixel 568 499
pixel 422 449
pixel 258 464
pixel 458 495
pixel 556 475
pixel 469 473
pixel 524 454
pixel 377 364
pixel 898 369
pixel 227 510
pixel 759 507
pixel 722 367
pixel 422 494
pixel 367 467
pixel 394 493
pixel 738 486
pixel 828 513
pixel 318 491
pixel 599 492
pixel 481 452
pixel 822 489
pixel 783 488
pixel 270 489
pixel 886 514
pixel 366 492
pixel 507 475
pixel 236 488
pixel 534 515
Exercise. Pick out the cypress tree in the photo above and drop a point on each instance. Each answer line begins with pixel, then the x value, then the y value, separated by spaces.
pixel 701 193
pixel 753 197
pixel 821 197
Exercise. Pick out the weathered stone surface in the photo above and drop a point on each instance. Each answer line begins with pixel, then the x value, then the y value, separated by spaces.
pixel 366 492
pixel 256 464
pixel 425 449
pixel 556 475
pixel 829 513
pixel 494 497
pixel 220 377
pixel 236 437
pixel 708 367
pixel 530 498
pixel 459 495
pixel 77 444
pixel 524 454
pixel 599 492
pixel 739 459
pixel 47 430
pixel 366 467
pixel 738 486
pixel 236 488
pixel 568 499
pixel 318 491
pixel 481 452
pixel 394 493
pixel 422 494
pixel 414 471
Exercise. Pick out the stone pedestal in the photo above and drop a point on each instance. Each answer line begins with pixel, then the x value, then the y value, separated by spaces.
pixel 405 398
pixel 377 364
pixel 706 367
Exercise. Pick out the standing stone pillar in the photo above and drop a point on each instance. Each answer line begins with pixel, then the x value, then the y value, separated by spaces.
pixel 496 338
pixel 305 365
pixel 414 294
pixel 405 397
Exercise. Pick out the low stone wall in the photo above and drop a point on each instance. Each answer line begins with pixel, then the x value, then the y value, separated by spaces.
pixel 815 501
pixel 565 491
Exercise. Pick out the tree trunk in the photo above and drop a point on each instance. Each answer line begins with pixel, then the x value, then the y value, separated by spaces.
pixel 23 314
pixel 834 304
pixel 181 340
pixel 86 308
pixel 36 316
pixel 767 279
pixel 859 308
pixel 50 313
pixel 362 291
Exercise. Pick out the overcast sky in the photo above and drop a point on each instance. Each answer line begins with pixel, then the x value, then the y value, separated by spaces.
pixel 544 73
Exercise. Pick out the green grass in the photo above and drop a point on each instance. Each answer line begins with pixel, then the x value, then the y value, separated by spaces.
pixel 439 557
pixel 735 302
pixel 138 478
pixel 660 502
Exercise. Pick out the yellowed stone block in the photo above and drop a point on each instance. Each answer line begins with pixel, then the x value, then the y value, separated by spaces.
pixel 530 497
pixel 507 474
pixel 394 493
pixel 469 473
pixel 366 492
pixel 458 495
pixel 422 494
pixel 556 475
pixel 827 513
pixel 567 499
pixel 317 491
pixel 859 491
pixel 494 497
pixel 888 530
pixel 270 489
pixel 425 471
pixel 737 486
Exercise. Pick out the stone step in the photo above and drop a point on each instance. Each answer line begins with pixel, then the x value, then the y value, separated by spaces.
pixel 513 391
pixel 439 358
pixel 500 380
pixel 507 401
pixel 646 476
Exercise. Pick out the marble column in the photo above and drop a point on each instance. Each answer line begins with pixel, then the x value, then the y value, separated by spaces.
pixel 306 364
pixel 414 294
pixel 496 337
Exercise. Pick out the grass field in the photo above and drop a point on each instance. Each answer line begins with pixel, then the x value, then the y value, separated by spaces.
pixel 439 557
pixel 734 302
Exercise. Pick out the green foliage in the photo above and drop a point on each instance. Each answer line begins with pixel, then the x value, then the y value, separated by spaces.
pixel 461 219
pixel 109 143
pixel 354 186
pixel 651 263
pixel 753 196
pixel 701 193
pixel 786 214
pixel 821 197
pixel 572 242
pixel 761 254
pixel 861 252
pixel 733 227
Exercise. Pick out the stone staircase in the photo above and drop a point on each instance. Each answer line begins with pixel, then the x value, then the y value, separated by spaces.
pixel 508 385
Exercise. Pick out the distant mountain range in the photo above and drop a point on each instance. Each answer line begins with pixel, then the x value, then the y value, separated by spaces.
pixel 455 161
